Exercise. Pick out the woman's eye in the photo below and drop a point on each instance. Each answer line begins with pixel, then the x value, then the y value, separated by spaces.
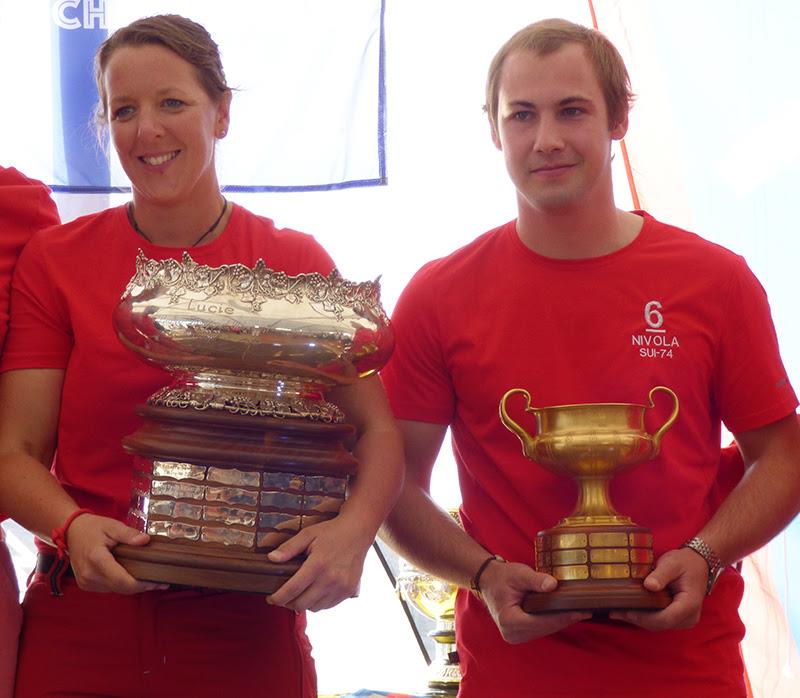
pixel 122 113
pixel 522 115
pixel 173 103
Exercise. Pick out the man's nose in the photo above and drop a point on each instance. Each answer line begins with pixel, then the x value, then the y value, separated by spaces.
pixel 548 135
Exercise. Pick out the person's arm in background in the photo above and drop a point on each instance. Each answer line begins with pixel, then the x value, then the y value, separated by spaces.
pixel 763 503
pixel 336 549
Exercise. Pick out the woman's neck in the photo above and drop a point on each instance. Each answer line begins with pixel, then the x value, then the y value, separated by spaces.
pixel 183 225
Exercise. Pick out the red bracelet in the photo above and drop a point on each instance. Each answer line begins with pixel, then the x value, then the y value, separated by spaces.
pixel 59 535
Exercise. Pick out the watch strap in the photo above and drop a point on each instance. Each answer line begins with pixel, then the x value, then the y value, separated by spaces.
pixel 714 562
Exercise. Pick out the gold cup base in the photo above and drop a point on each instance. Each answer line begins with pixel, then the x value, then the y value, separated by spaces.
pixel 437 689
pixel 598 567
pixel 176 563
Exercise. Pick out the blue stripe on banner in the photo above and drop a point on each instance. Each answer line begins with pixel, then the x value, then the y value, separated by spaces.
pixel 382 101
pixel 235 188
pixel 79 27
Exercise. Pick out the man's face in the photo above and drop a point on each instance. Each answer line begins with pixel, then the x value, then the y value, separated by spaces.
pixel 552 126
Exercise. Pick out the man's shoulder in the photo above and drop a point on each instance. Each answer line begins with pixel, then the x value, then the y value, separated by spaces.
pixel 673 244
pixel 467 259
pixel 668 233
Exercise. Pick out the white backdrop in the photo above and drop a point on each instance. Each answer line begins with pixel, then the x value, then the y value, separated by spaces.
pixel 714 147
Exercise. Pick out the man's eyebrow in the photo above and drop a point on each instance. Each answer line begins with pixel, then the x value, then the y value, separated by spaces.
pixel 525 104
pixel 572 99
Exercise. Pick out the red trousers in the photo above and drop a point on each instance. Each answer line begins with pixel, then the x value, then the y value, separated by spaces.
pixel 10 621
pixel 172 643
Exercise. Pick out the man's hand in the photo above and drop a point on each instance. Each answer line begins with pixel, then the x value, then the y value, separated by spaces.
pixel 505 585
pixel 90 540
pixel 332 570
pixel 685 574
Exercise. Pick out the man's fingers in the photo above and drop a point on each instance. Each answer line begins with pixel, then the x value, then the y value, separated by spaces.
pixel 531 626
pixel 683 612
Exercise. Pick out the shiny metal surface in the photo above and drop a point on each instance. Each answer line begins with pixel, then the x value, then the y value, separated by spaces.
pixel 436 599
pixel 252 340
pixel 590 443
pixel 184 501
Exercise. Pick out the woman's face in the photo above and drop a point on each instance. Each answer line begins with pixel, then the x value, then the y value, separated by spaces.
pixel 163 125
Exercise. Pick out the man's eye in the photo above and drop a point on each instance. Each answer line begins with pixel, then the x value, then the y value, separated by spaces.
pixel 573 111
pixel 522 116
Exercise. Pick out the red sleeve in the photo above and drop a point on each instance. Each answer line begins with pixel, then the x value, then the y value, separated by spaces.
pixel 416 378
pixel 752 388
pixel 25 207
pixel 39 333
pixel 299 253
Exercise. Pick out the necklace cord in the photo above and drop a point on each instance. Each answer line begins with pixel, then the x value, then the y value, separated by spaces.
pixel 210 230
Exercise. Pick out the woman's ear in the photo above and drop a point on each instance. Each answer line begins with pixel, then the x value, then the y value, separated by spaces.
pixel 224 114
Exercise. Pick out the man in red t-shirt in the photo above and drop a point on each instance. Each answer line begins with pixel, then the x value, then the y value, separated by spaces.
pixel 25 207
pixel 578 301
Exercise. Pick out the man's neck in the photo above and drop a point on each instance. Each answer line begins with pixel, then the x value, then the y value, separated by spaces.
pixel 576 232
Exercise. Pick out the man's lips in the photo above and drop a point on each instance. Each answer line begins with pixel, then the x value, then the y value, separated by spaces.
pixel 551 170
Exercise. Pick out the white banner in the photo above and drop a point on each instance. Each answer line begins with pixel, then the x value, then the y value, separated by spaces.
pixel 308 106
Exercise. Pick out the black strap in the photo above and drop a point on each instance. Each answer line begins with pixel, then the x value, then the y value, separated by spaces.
pixel 54 569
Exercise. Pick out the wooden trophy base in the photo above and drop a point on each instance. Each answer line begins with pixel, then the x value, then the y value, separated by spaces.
pixel 600 596
pixel 217 492
pixel 599 567
pixel 175 563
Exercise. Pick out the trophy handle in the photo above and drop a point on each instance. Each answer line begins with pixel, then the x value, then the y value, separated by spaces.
pixel 528 442
pixel 670 420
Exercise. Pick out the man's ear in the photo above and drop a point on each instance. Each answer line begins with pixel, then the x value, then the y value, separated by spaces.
pixel 619 131
pixel 495 135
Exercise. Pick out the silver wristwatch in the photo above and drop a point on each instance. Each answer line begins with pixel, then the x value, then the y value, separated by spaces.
pixel 715 565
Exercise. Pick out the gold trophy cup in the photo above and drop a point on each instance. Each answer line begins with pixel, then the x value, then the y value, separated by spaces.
pixel 598 555
pixel 435 599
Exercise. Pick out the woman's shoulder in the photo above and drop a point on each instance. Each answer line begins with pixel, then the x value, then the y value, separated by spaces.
pixel 285 249
pixel 264 226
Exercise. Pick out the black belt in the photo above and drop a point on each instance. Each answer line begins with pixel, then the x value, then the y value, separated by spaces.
pixel 50 566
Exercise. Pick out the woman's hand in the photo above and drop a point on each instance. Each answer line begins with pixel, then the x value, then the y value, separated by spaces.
pixel 336 550
pixel 90 540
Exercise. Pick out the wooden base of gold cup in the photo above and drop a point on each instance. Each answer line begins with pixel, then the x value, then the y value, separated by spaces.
pixel 217 492
pixel 598 568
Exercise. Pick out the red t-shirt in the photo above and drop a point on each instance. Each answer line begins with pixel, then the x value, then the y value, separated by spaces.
pixel 669 309
pixel 66 285
pixel 25 207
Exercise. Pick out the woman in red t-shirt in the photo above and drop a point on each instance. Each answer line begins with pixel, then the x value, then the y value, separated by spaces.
pixel 165 101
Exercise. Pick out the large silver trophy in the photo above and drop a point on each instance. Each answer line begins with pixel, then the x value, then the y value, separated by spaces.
pixel 242 449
